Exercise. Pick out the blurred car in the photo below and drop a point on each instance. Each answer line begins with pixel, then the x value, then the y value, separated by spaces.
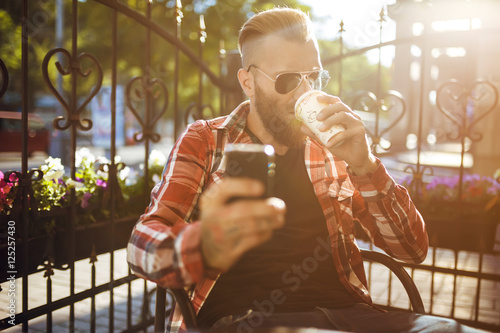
pixel 11 133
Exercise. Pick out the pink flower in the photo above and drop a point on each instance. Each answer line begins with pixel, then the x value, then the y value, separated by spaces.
pixel 5 190
pixel 4 186
pixel 13 178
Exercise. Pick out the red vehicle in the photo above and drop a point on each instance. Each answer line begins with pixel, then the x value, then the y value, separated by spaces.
pixel 11 133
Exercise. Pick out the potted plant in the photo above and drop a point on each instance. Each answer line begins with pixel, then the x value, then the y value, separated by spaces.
pixel 49 227
pixel 460 214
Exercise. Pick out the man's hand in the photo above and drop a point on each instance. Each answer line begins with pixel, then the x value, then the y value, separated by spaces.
pixel 350 145
pixel 229 230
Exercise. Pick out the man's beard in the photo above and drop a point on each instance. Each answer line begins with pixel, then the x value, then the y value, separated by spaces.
pixel 285 131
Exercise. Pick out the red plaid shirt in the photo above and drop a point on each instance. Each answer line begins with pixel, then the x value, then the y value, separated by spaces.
pixel 165 243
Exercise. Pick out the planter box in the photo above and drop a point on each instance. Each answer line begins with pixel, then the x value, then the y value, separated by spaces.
pixel 58 245
pixel 97 234
pixel 461 225
pixel 466 235
pixel 36 252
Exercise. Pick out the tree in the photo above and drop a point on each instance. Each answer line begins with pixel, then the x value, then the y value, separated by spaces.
pixel 223 19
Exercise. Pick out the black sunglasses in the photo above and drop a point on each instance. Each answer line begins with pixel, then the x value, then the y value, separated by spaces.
pixel 287 82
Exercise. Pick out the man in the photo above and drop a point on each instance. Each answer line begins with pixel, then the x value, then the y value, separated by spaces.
pixel 290 260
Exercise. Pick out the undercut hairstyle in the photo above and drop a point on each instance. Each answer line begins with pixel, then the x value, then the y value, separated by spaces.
pixel 292 25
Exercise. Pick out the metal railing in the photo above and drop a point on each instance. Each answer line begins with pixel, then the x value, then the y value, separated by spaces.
pixel 391 115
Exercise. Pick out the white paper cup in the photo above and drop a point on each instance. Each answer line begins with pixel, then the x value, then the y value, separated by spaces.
pixel 306 109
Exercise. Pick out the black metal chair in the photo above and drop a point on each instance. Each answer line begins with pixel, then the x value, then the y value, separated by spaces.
pixel 182 298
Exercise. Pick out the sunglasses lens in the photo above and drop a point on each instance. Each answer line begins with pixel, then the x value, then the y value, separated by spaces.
pixel 287 82
pixel 313 76
pixel 319 80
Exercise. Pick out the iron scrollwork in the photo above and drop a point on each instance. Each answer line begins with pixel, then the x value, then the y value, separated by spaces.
pixel 74 67
pixel 4 73
pixel 142 89
pixel 196 112
pixel 389 102
pixel 24 188
pixel 458 104
pixel 113 171
pixel 416 184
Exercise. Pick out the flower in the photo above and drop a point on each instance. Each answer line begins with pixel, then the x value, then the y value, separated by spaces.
pixel 449 197
pixel 128 176
pixel 103 160
pixel 90 186
pixel 73 183
pixel 475 188
pixel 156 158
pixel 6 193
pixel 84 158
pixel 85 200
pixel 52 169
pixel 101 183
pixel 156 178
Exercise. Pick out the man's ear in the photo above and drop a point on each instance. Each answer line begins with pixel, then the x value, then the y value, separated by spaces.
pixel 246 82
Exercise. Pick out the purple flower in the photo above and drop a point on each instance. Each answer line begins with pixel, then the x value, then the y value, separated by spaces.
pixel 101 183
pixel 494 189
pixel 406 180
pixel 476 188
pixel 85 200
pixel 449 182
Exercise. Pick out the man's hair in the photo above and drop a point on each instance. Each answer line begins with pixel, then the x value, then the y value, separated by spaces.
pixel 290 24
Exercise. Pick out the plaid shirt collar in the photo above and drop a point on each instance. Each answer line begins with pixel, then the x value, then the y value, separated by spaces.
pixel 234 124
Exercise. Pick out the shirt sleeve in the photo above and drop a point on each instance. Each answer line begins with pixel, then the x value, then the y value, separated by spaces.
pixel 164 247
pixel 389 216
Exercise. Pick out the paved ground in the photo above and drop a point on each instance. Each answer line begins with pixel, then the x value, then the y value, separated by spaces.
pixel 488 311
pixel 442 296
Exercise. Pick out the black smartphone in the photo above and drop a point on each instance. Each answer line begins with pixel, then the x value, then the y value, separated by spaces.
pixel 253 161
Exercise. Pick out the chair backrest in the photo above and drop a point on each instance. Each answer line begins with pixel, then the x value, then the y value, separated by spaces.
pixel 403 276
pixel 182 298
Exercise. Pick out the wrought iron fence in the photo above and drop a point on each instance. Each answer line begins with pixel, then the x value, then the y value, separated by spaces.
pixel 391 116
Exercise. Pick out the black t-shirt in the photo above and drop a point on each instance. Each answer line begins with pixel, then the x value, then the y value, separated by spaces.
pixel 294 270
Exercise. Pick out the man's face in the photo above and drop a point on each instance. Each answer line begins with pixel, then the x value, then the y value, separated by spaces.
pixel 276 111
pixel 276 120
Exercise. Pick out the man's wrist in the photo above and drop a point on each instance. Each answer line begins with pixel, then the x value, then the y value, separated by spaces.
pixel 365 169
